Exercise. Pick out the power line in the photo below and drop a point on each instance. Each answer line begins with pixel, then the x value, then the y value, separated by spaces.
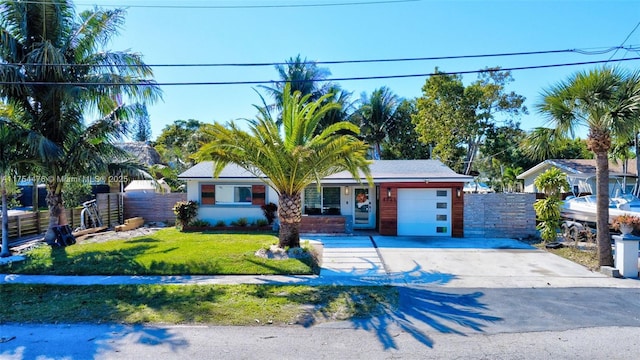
pixel 357 61
pixel 356 78
pixel 625 40
pixel 264 6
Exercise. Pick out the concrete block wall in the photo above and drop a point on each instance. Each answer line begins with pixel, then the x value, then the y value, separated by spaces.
pixel 501 215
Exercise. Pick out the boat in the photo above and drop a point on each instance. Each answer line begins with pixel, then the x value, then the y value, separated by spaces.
pixel 583 208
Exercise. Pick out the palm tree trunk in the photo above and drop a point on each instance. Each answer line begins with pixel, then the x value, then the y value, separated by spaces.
pixel 5 219
pixel 290 215
pixel 57 214
pixel 605 256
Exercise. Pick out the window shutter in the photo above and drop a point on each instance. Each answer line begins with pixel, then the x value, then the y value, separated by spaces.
pixel 207 194
pixel 258 194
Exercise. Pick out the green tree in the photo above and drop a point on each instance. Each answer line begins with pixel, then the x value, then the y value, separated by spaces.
pixel 75 193
pixel 607 102
pixel 552 182
pixel 342 113
pixel 402 139
pixel 178 142
pixel 56 71
pixel 375 116
pixel 142 125
pixel 18 147
pixel 290 159
pixel 301 75
pixel 545 143
pixel 456 117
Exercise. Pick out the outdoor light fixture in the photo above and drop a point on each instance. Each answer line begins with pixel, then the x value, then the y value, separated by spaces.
pixel 388 192
pixel 458 192
pixel 346 190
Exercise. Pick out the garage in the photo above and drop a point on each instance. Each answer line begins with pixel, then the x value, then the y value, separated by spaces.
pixel 424 212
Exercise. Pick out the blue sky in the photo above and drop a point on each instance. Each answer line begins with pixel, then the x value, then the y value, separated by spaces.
pixel 165 34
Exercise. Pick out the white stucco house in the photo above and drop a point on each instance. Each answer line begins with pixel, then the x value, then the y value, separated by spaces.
pixel 408 197
pixel 581 174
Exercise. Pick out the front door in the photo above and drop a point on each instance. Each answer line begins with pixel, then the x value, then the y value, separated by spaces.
pixel 363 211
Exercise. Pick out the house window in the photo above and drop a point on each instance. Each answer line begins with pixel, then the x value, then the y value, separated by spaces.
pixel 441 193
pixel 326 201
pixel 233 194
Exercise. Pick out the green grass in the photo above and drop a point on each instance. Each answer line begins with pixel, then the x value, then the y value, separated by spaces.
pixel 165 252
pixel 193 304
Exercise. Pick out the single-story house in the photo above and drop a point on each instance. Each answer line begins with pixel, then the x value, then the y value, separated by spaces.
pixel 409 197
pixel 581 174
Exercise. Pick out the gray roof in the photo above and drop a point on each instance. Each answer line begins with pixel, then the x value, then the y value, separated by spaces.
pixel 586 167
pixel 381 170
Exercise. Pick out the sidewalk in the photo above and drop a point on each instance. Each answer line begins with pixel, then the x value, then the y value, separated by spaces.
pixel 388 260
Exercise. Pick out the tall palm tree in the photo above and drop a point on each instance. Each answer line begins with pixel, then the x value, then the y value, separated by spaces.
pixel 291 159
pixel 56 71
pixel 301 75
pixel 376 115
pixel 607 102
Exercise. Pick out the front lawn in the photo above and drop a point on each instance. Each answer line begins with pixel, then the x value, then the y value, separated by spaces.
pixel 193 304
pixel 165 252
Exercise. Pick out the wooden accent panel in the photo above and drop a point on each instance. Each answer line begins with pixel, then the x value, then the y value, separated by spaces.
pixel 207 194
pixel 389 205
pixel 258 194
pixel 388 211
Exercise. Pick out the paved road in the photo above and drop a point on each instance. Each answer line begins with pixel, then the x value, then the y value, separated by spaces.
pixel 430 323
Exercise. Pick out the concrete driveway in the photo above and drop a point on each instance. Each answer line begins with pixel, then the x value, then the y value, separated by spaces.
pixel 483 263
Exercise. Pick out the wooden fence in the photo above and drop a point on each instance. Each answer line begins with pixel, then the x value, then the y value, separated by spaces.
pixel 33 223
pixel 153 207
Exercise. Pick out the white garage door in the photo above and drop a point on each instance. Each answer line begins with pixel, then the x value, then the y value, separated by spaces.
pixel 424 212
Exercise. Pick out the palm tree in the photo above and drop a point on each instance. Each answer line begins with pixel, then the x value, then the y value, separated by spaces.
pixel 17 145
pixel 607 101
pixel 56 70
pixel 291 159
pixel 376 115
pixel 301 75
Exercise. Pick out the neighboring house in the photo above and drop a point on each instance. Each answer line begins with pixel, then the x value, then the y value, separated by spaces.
pixel 581 174
pixel 409 197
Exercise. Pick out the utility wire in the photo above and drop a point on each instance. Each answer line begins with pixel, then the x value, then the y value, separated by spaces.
pixel 256 82
pixel 625 40
pixel 357 61
pixel 264 6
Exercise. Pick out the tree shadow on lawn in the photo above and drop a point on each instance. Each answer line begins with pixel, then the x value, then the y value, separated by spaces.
pixel 123 261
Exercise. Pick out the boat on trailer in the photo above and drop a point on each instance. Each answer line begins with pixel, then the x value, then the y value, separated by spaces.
pixel 580 215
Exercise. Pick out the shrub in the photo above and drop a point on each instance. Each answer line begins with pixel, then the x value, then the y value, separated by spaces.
pixel 199 223
pixel 185 212
pixel 220 223
pixel 262 222
pixel 269 211
pixel 240 222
